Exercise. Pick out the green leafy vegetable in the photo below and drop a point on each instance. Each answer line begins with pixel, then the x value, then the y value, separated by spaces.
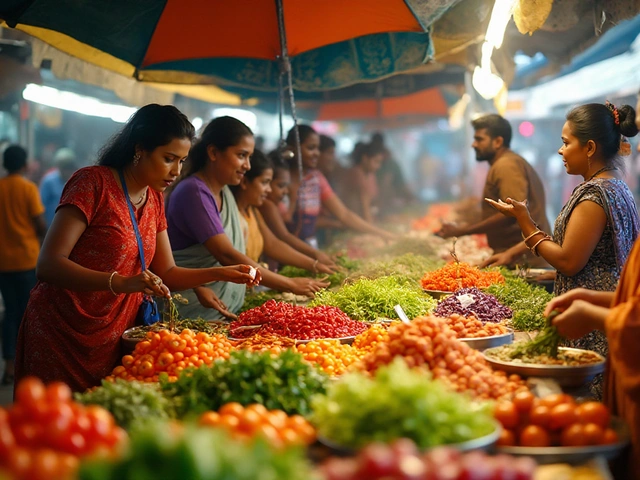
pixel 408 268
pixel 527 302
pixel 397 403
pixel 129 402
pixel 545 343
pixel 253 300
pixel 284 382
pixel 334 279
pixel 369 299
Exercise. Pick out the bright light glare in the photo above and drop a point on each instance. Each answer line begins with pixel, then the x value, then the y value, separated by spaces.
pixel 500 16
pixel 73 102
pixel 487 84
pixel 245 116
pixel 197 123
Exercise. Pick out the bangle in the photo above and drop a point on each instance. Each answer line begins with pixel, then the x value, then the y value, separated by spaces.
pixel 534 249
pixel 110 280
pixel 537 231
pixel 315 265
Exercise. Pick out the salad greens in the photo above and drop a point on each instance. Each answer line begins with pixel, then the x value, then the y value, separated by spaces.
pixel 527 302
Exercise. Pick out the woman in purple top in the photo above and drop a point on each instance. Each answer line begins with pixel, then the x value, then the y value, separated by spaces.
pixel 203 220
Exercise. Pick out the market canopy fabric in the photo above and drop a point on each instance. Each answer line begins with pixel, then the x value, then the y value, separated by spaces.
pixel 331 43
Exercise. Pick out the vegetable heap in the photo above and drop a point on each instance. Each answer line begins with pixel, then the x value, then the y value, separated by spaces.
pixel 330 355
pixel 198 325
pixel 457 275
pixel 484 306
pixel 545 343
pixel 409 268
pixel 368 300
pixel 285 382
pixel 471 327
pixel 298 322
pixel 397 403
pixel 527 302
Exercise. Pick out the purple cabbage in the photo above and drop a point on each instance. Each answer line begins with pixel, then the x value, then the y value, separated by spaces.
pixel 486 307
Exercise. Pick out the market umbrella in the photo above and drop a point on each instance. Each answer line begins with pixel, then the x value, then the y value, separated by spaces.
pixel 331 43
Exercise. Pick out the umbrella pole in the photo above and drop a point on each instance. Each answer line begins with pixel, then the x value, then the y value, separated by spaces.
pixel 285 69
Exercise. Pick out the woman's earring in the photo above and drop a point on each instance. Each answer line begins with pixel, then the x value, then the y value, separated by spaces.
pixel 136 159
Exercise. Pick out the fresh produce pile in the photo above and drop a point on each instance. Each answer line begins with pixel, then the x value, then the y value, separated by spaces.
pixel 429 343
pixel 278 428
pixel 567 358
pixel 555 420
pixel 471 327
pixel 330 355
pixel 45 434
pixel 161 451
pixel 262 343
pixel 408 268
pixel 546 342
pixel 401 461
pixel 129 401
pixel 171 353
pixel 198 325
pixel 397 403
pixel 527 302
pixel 368 340
pixel 472 302
pixel 370 299
pixel 334 279
pixel 283 382
pixel 457 275
pixel 298 322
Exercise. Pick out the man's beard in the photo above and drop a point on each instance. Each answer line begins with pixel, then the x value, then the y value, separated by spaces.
pixel 485 156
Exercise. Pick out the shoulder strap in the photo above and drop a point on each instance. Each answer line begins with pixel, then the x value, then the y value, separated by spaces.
pixel 133 219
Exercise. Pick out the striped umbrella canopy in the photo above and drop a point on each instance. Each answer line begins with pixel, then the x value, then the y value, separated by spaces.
pixel 331 43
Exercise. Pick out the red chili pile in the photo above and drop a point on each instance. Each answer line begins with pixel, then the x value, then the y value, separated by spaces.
pixel 292 321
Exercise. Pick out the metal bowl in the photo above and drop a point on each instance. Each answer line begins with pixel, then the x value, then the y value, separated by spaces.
pixel 564 375
pixel 128 343
pixel 574 455
pixel 438 294
pixel 485 443
pixel 482 343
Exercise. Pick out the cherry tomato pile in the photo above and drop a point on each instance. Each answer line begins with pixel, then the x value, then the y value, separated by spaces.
pixel 402 460
pixel 428 342
pixel 280 429
pixel 471 327
pixel 171 353
pixel 330 355
pixel 553 420
pixel 44 434
pixel 298 322
pixel 455 276
pixel 367 340
pixel 263 343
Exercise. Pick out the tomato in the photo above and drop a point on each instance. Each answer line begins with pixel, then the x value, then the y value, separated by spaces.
pixel 45 465
pixel 593 434
pixel 277 418
pixel 541 416
pixel 19 462
pixel 556 399
pixel 562 416
pixel 249 421
pixel 259 409
pixel 534 436
pixel 507 438
pixel 230 422
pixel 573 436
pixel 523 401
pixel 506 414
pixel 58 392
pixel 232 408
pixel 290 437
pixel 7 440
pixel 29 391
pixel 117 437
pixel 209 419
pixel 28 434
pixel 593 412
pixel 270 434
pixel 610 437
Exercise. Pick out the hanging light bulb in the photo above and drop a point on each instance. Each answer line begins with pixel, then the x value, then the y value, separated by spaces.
pixel 487 84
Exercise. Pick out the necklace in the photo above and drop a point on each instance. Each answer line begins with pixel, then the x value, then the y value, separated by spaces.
pixel 602 170
pixel 140 200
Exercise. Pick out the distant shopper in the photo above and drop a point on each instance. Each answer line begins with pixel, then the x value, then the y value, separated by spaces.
pixel 22 226
pixel 53 182
pixel 360 186
pixel 510 176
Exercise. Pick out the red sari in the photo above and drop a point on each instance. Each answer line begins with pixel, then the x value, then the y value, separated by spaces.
pixel 74 336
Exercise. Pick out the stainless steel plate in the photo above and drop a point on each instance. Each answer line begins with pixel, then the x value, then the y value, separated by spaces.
pixel 483 343
pixel 565 376
pixel 438 294
pixel 574 455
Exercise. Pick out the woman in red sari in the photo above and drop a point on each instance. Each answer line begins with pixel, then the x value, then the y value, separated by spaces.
pixel 91 281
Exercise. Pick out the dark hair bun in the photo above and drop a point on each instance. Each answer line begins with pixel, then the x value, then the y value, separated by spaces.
pixel 627 116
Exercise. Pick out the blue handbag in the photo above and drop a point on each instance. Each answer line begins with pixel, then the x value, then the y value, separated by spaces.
pixel 148 313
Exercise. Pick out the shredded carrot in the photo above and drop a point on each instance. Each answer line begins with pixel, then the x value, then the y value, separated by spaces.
pixel 455 276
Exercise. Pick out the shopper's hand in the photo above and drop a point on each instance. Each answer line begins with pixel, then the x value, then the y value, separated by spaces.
pixel 497 260
pixel 306 286
pixel 322 268
pixel 563 302
pixel 577 320
pixel 326 260
pixel 145 282
pixel 240 274
pixel 510 207
pixel 449 230
pixel 209 299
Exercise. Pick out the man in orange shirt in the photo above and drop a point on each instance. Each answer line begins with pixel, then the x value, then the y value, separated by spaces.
pixel 22 226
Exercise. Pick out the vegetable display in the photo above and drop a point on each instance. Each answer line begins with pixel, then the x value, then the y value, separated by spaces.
pixel 284 382
pixel 197 325
pixel 429 343
pixel 555 420
pixel 330 355
pixel 45 434
pixel 397 402
pixel 263 343
pixel 369 299
pixel 471 327
pixel 408 268
pixel 457 275
pixel 298 322
pixel 401 461
pixel 162 451
pixel 334 279
pixel 567 358
pixel 472 302
pixel 546 342
pixel 527 302
pixel 128 401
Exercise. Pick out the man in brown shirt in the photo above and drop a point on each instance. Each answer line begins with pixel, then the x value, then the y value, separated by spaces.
pixel 510 176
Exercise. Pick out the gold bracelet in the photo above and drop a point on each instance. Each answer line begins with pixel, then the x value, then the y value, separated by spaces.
pixel 534 249
pixel 537 231
pixel 110 286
